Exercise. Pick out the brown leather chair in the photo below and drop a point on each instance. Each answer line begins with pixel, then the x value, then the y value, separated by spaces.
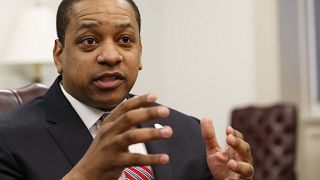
pixel 12 98
pixel 271 133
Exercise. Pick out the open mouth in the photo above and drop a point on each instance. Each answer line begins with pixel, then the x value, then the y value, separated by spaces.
pixel 109 81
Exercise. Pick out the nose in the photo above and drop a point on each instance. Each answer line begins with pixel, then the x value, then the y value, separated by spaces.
pixel 109 55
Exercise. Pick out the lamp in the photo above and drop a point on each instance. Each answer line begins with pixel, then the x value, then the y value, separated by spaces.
pixel 32 40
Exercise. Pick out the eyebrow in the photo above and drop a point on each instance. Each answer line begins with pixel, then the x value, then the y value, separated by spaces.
pixel 124 25
pixel 93 25
pixel 90 25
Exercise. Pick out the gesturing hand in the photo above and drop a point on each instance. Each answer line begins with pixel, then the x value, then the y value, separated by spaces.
pixel 231 163
pixel 108 154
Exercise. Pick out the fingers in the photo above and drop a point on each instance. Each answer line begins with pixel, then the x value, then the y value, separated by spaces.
pixel 245 170
pixel 209 135
pixel 137 159
pixel 138 116
pixel 133 112
pixel 241 163
pixel 123 158
pixel 109 149
pixel 236 141
pixel 143 135
pixel 130 104
pixel 241 147
pixel 236 133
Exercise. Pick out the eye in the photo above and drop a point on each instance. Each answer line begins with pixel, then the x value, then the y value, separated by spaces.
pixel 88 41
pixel 126 40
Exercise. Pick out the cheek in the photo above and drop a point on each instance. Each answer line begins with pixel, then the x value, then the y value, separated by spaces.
pixel 134 59
pixel 81 61
pixel 133 71
pixel 77 68
pixel 134 66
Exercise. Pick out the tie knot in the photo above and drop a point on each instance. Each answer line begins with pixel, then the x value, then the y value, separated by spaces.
pixel 104 115
pixel 100 120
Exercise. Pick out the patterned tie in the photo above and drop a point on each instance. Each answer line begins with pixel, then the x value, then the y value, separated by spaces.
pixel 95 128
pixel 139 173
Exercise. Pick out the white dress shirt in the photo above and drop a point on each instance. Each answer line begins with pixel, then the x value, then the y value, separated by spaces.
pixel 90 116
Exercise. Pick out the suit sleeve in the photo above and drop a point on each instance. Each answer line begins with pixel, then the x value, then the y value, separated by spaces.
pixel 9 167
pixel 207 176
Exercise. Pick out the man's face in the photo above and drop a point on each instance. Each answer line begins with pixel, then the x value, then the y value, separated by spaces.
pixel 100 59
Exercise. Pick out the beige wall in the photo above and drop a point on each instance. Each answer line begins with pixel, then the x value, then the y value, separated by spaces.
pixel 267 56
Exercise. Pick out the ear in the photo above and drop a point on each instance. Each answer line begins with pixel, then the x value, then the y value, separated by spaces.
pixel 140 65
pixel 57 55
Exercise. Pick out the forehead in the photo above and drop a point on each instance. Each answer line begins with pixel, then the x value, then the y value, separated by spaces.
pixel 102 9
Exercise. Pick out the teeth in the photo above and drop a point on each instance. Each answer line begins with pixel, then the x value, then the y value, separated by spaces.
pixel 109 78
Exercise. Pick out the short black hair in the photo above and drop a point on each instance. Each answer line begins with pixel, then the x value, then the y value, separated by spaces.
pixel 65 10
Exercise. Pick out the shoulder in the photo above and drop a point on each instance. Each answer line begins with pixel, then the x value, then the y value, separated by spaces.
pixel 24 117
pixel 20 131
pixel 186 145
pixel 180 117
pixel 183 124
pixel 20 128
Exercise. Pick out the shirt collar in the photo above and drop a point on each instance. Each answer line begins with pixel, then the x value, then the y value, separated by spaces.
pixel 87 114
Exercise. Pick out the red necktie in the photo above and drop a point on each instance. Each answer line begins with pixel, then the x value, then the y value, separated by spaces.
pixel 139 173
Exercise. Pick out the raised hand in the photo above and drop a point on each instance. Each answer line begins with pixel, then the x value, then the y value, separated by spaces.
pixel 108 154
pixel 231 163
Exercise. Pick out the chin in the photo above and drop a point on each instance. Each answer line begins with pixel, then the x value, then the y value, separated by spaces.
pixel 111 101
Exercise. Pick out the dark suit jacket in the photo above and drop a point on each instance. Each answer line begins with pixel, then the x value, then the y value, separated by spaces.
pixel 45 138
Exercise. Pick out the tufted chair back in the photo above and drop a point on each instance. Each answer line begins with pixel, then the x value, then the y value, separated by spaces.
pixel 271 133
pixel 12 98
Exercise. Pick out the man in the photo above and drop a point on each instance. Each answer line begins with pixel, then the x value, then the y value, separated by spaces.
pixel 98 58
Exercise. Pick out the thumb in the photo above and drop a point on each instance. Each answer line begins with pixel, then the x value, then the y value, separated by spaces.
pixel 209 135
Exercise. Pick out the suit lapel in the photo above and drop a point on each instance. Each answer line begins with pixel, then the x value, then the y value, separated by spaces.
pixel 159 147
pixel 67 129
pixel 72 138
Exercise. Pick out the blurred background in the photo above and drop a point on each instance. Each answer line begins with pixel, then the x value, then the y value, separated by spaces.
pixel 204 58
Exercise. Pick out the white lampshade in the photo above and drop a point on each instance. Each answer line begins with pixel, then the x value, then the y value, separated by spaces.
pixel 33 37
